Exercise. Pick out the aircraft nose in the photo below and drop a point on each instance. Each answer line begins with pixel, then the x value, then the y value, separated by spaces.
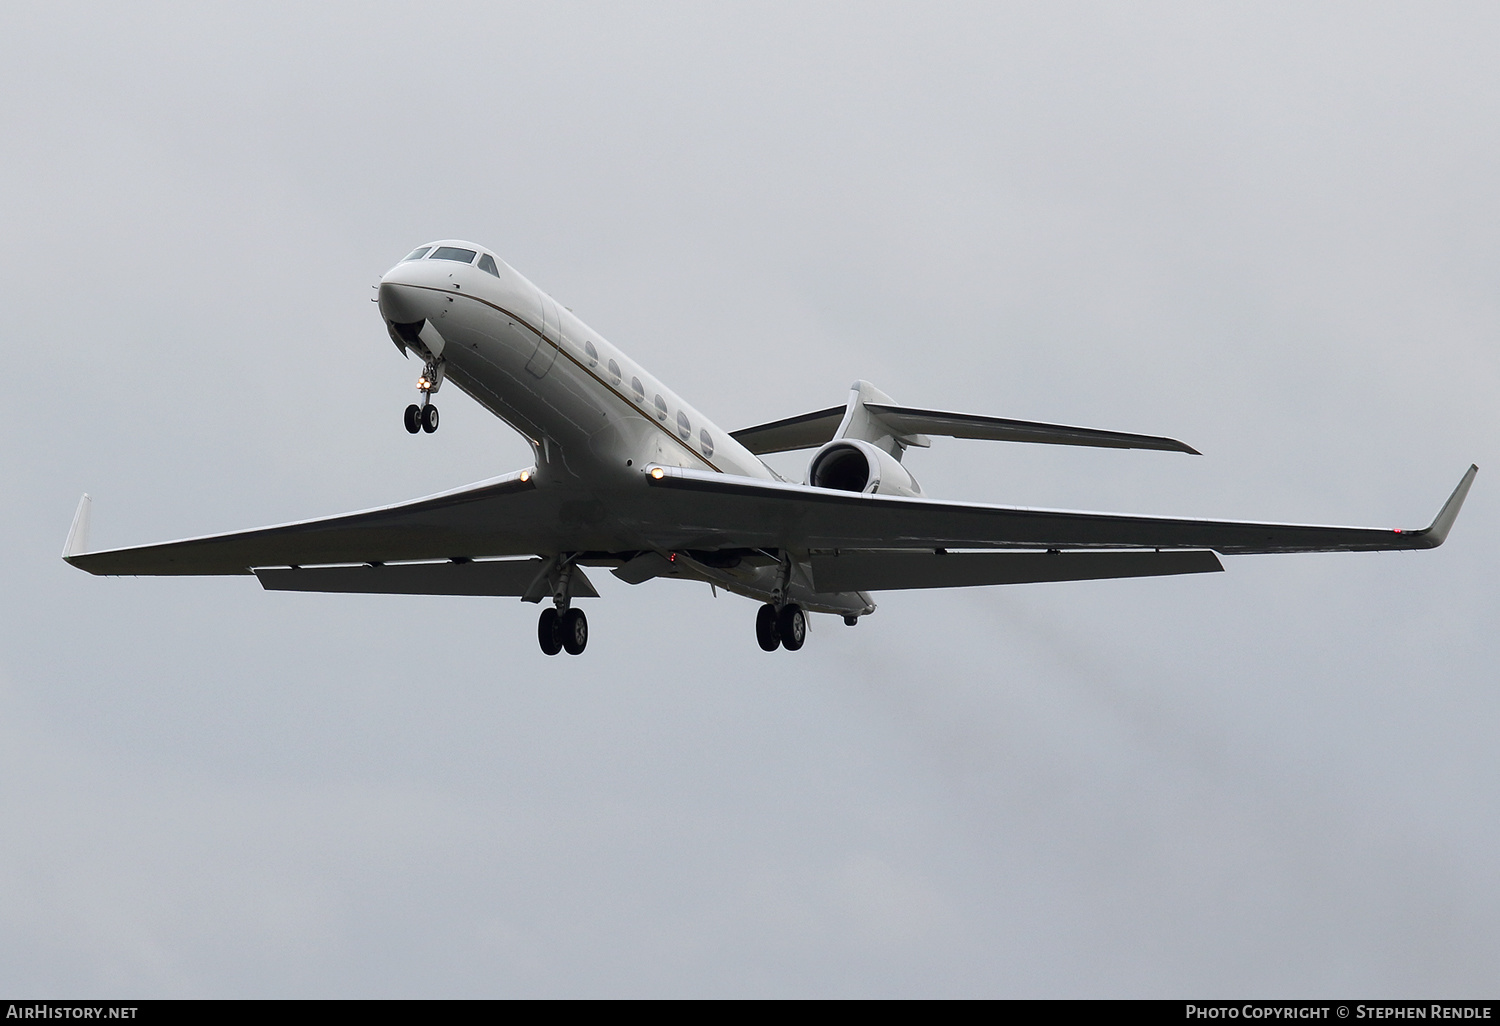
pixel 399 303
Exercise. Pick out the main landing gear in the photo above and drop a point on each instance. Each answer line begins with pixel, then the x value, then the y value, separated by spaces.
pixel 424 417
pixel 557 630
pixel 786 628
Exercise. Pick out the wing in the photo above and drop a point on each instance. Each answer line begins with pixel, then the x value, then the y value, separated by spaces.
pixel 523 578
pixel 505 516
pixel 894 570
pixel 719 510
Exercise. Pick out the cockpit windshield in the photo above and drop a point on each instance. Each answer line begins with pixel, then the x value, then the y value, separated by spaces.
pixel 487 263
pixel 416 254
pixel 463 256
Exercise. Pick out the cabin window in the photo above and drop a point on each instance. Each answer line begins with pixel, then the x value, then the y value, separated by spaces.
pixel 591 353
pixel 639 390
pixel 416 254
pixel 661 407
pixel 614 373
pixel 706 442
pixel 684 426
pixel 463 256
pixel 487 263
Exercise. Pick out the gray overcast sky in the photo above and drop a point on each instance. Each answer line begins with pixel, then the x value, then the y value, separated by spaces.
pixel 1269 230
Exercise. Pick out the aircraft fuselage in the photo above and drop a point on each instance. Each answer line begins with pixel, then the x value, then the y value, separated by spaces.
pixel 595 418
pixel 561 384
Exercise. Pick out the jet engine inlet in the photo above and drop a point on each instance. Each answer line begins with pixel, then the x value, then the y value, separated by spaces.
pixel 842 467
pixel 853 465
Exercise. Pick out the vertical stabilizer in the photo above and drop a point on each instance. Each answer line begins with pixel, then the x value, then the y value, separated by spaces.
pixel 862 423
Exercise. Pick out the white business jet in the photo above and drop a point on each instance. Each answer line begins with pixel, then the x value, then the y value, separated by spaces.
pixel 630 477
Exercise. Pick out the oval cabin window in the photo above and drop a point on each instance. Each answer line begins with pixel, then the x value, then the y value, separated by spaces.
pixel 706 443
pixel 591 353
pixel 614 373
pixel 661 407
pixel 639 390
pixel 684 426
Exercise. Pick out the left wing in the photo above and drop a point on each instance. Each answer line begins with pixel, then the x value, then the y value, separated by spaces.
pixel 718 510
pixel 890 570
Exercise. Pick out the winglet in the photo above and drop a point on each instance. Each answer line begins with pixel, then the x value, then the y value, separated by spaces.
pixel 1436 534
pixel 78 535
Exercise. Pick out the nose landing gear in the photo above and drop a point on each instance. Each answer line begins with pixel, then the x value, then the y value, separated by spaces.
pixel 424 417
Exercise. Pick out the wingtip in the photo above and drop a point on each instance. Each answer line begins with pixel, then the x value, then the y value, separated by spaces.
pixel 78 535
pixel 1437 533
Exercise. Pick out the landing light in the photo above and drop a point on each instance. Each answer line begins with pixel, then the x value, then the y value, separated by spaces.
pixel 658 473
pixel 525 476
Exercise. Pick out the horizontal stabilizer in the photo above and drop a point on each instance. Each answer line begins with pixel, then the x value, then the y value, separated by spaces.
pixel 807 431
pixel 904 420
pixel 479 577
pixel 907 425
pixel 890 571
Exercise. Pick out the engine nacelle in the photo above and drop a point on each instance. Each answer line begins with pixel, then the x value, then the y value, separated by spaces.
pixel 850 465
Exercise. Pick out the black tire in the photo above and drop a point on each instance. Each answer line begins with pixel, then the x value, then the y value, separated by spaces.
pixel 765 628
pixel 549 632
pixel 575 631
pixel 414 418
pixel 791 624
pixel 429 418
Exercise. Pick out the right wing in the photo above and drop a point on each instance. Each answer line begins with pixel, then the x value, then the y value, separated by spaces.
pixel 505 516
pixel 518 578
